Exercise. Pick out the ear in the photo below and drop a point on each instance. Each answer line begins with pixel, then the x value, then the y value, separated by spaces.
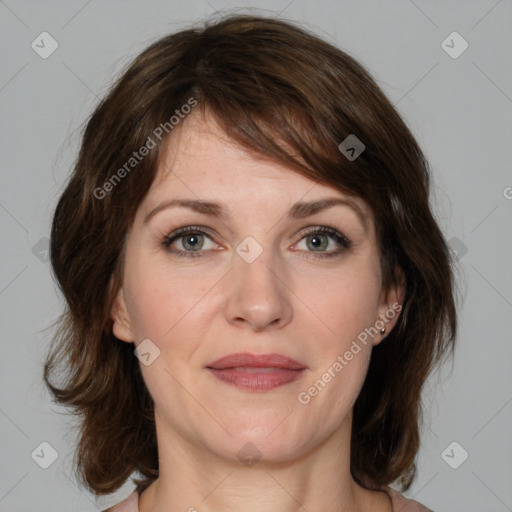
pixel 121 326
pixel 390 306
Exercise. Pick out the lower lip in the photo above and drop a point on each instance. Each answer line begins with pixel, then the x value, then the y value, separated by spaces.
pixel 257 379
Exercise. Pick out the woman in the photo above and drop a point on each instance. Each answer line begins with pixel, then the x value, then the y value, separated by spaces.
pixel 256 286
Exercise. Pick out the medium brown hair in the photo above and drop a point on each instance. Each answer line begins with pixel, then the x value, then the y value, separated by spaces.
pixel 284 93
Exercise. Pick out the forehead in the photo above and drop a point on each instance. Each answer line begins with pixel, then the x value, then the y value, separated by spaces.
pixel 200 161
pixel 201 148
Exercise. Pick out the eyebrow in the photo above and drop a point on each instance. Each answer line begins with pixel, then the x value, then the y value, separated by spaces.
pixel 299 210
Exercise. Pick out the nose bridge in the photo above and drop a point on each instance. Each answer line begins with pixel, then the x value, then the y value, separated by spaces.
pixel 257 294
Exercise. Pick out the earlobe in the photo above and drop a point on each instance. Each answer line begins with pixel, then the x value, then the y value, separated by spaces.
pixel 389 312
pixel 121 327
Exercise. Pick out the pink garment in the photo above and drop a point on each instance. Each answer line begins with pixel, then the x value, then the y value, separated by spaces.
pixel 399 501
pixel 130 504
pixel 403 504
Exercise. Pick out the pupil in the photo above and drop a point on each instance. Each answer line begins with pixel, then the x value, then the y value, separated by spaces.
pixel 316 241
pixel 194 242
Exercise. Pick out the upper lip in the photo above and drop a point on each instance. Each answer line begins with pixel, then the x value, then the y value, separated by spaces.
pixel 246 359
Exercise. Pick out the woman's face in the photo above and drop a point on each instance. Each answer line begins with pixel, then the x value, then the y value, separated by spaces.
pixel 262 278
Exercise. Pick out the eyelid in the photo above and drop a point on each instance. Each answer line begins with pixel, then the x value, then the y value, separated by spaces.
pixel 181 232
pixel 327 230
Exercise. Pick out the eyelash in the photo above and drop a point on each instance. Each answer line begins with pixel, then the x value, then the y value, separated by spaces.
pixel 179 233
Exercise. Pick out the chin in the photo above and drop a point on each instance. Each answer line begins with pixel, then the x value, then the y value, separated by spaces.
pixel 249 451
pixel 265 438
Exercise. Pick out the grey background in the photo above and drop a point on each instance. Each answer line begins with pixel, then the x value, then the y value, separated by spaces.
pixel 460 111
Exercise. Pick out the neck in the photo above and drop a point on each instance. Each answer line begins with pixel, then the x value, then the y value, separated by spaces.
pixel 194 479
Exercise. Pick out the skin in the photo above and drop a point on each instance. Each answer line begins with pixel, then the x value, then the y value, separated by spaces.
pixel 196 310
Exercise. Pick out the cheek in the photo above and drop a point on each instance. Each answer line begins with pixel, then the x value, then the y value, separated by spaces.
pixel 339 372
pixel 346 304
pixel 347 308
pixel 163 299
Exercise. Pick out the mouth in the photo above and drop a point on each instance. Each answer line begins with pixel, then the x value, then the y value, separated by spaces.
pixel 256 372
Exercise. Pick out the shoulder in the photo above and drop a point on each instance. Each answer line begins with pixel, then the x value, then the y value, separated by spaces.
pixel 403 504
pixel 130 504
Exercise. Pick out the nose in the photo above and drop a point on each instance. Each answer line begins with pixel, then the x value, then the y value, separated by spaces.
pixel 258 296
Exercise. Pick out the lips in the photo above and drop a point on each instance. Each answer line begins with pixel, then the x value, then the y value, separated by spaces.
pixel 256 372
pixel 246 360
